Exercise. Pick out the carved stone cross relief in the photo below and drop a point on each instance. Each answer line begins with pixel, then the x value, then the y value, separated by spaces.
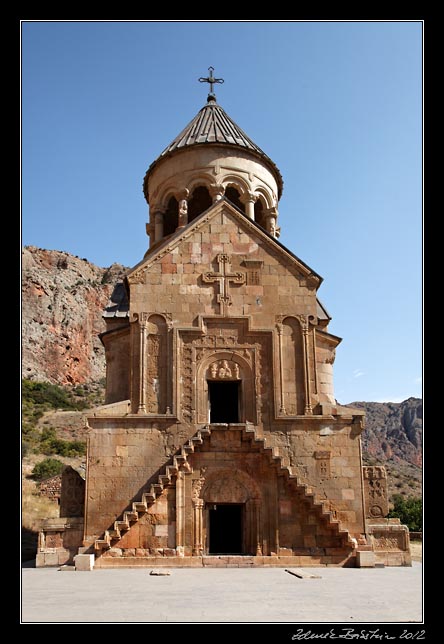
pixel 224 277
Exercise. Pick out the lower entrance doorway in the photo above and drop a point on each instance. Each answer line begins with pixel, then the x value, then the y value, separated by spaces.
pixel 226 529
pixel 224 401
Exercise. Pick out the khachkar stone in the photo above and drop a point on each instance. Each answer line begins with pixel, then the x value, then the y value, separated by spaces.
pixel 221 434
pixel 375 490
pixel 224 278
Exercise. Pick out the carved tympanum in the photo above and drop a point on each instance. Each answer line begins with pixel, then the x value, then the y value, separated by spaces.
pixel 224 370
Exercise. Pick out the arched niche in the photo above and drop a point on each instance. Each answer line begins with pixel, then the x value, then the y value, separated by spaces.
pixel 259 212
pixel 229 486
pixel 293 367
pixel 157 365
pixel 226 367
pixel 265 197
pixel 199 201
pixel 233 194
pixel 171 217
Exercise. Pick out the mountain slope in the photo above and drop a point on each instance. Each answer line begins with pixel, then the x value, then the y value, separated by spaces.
pixel 393 437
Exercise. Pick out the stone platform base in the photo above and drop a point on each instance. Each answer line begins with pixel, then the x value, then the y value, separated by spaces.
pixel 224 561
pixel 394 558
pixel 390 542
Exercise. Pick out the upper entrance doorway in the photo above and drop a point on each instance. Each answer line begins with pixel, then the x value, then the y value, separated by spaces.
pixel 224 401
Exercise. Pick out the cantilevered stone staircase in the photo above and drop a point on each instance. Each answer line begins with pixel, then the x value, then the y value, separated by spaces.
pixel 180 460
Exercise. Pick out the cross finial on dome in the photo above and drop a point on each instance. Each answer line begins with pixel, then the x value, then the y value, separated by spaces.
pixel 211 80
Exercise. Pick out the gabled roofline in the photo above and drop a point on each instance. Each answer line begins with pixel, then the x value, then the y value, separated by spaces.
pixel 172 240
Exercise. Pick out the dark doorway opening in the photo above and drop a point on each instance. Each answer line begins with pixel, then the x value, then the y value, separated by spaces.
pixel 224 401
pixel 226 529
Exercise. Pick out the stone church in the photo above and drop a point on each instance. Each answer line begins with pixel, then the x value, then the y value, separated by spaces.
pixel 221 442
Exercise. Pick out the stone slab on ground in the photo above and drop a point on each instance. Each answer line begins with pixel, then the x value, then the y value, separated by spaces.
pixel 223 595
pixel 297 572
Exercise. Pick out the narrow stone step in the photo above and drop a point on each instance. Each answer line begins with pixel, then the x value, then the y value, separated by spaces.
pixel 164 479
pixel 131 516
pixel 121 525
pixel 140 506
pixel 114 534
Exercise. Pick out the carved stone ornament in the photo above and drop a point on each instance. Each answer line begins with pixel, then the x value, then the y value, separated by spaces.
pixel 224 370
pixel 197 484
pixel 375 491
pixel 138 277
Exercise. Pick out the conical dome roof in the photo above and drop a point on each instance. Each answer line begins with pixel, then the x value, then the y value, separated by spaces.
pixel 213 126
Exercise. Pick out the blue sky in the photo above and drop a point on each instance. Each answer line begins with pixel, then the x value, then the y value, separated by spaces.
pixel 336 105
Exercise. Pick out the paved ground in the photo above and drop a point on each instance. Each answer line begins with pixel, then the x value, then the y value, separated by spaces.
pixel 223 595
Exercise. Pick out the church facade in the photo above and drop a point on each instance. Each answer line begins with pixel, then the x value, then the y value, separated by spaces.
pixel 221 442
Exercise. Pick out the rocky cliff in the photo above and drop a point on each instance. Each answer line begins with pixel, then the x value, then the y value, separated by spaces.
pixel 393 431
pixel 63 297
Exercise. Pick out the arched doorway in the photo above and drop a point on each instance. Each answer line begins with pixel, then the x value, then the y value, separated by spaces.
pixel 232 517
pixel 224 392
pixel 225 389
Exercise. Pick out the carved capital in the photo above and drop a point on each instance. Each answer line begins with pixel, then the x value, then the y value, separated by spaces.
pixel 169 321
pixel 248 197
pixel 216 191
pixel 303 321
pixel 183 193
pixel 272 212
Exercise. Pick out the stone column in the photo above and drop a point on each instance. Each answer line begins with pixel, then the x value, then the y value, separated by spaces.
pixel 249 199
pixel 281 369
pixel 216 192
pixel 142 363
pixel 158 225
pixel 197 531
pixel 305 350
pixel 169 392
pixel 258 527
pixel 180 509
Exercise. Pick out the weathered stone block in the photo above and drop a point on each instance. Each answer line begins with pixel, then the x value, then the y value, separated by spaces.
pixel 84 562
pixel 365 559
